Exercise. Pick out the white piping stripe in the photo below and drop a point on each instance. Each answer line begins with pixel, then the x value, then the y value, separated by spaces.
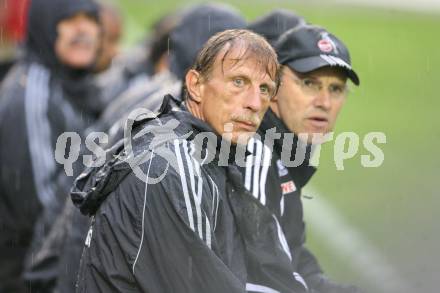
pixel 216 196
pixel 328 60
pixel 282 239
pixel 45 126
pixel 258 154
pixel 249 160
pixel 282 205
pixel 259 288
pixel 213 196
pixel 45 139
pixel 300 279
pixel 333 61
pixel 263 177
pixel 38 131
pixel 208 232
pixel 197 200
pixel 184 185
pixel 143 212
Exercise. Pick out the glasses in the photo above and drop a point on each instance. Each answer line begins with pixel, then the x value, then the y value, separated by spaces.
pixel 313 87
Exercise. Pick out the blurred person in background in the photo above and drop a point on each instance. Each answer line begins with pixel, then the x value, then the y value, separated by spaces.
pixel 12 29
pixel 315 68
pixel 49 91
pixel 111 33
pixel 273 24
pixel 139 64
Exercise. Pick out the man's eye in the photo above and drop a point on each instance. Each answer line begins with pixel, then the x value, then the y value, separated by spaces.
pixel 239 82
pixel 264 89
pixel 309 82
pixel 337 89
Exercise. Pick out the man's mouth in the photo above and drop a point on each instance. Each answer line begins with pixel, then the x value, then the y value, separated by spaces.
pixel 82 41
pixel 318 121
pixel 246 124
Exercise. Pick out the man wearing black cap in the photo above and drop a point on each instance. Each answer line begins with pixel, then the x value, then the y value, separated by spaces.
pixel 315 68
pixel 45 94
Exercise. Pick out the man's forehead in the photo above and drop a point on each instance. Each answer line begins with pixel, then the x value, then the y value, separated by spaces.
pixel 239 58
pixel 79 15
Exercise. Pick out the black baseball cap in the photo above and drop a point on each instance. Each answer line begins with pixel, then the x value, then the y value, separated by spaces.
pixel 309 47
pixel 198 23
pixel 275 23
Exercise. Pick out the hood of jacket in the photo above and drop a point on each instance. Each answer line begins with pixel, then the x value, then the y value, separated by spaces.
pixel 43 18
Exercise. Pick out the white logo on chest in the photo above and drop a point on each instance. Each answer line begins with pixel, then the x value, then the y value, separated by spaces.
pixel 282 170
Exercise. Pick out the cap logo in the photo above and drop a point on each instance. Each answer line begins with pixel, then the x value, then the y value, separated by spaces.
pixel 326 44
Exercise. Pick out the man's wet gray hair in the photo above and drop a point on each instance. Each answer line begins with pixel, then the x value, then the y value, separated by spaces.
pixel 252 44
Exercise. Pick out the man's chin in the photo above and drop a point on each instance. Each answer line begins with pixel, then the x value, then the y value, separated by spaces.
pixel 79 63
pixel 241 138
pixel 314 138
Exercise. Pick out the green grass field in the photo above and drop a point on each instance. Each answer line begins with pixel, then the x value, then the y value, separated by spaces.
pixel 395 206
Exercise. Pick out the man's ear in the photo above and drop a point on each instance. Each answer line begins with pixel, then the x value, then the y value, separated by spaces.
pixel 193 85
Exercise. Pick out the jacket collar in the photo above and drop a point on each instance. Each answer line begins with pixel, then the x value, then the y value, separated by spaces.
pixel 224 151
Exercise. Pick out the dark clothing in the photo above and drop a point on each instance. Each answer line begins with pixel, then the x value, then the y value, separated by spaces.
pixel 33 113
pixel 187 226
pixel 4 68
pixel 126 71
pixel 39 100
pixel 146 93
pixel 57 268
pixel 276 179
pixel 44 15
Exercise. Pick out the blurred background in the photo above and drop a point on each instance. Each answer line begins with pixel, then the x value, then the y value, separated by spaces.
pixel 376 227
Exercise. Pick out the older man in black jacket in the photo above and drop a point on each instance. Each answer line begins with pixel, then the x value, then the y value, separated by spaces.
pixel 170 213
pixel 47 93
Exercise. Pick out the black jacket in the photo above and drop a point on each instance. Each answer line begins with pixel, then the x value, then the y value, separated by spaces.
pixel 55 264
pixel 276 179
pixel 195 229
pixel 39 100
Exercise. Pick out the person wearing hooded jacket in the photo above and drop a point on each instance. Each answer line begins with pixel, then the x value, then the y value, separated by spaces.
pixel 169 211
pixel 315 67
pixel 45 94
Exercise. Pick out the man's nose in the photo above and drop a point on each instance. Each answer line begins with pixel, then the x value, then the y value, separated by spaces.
pixel 323 99
pixel 254 100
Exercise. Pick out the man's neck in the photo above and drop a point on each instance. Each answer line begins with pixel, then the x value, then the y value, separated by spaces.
pixel 194 108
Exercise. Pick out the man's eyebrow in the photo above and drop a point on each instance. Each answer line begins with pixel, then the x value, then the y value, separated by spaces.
pixel 269 83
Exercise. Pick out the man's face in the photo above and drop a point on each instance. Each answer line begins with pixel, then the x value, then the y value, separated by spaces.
pixel 310 103
pixel 78 40
pixel 111 34
pixel 237 93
